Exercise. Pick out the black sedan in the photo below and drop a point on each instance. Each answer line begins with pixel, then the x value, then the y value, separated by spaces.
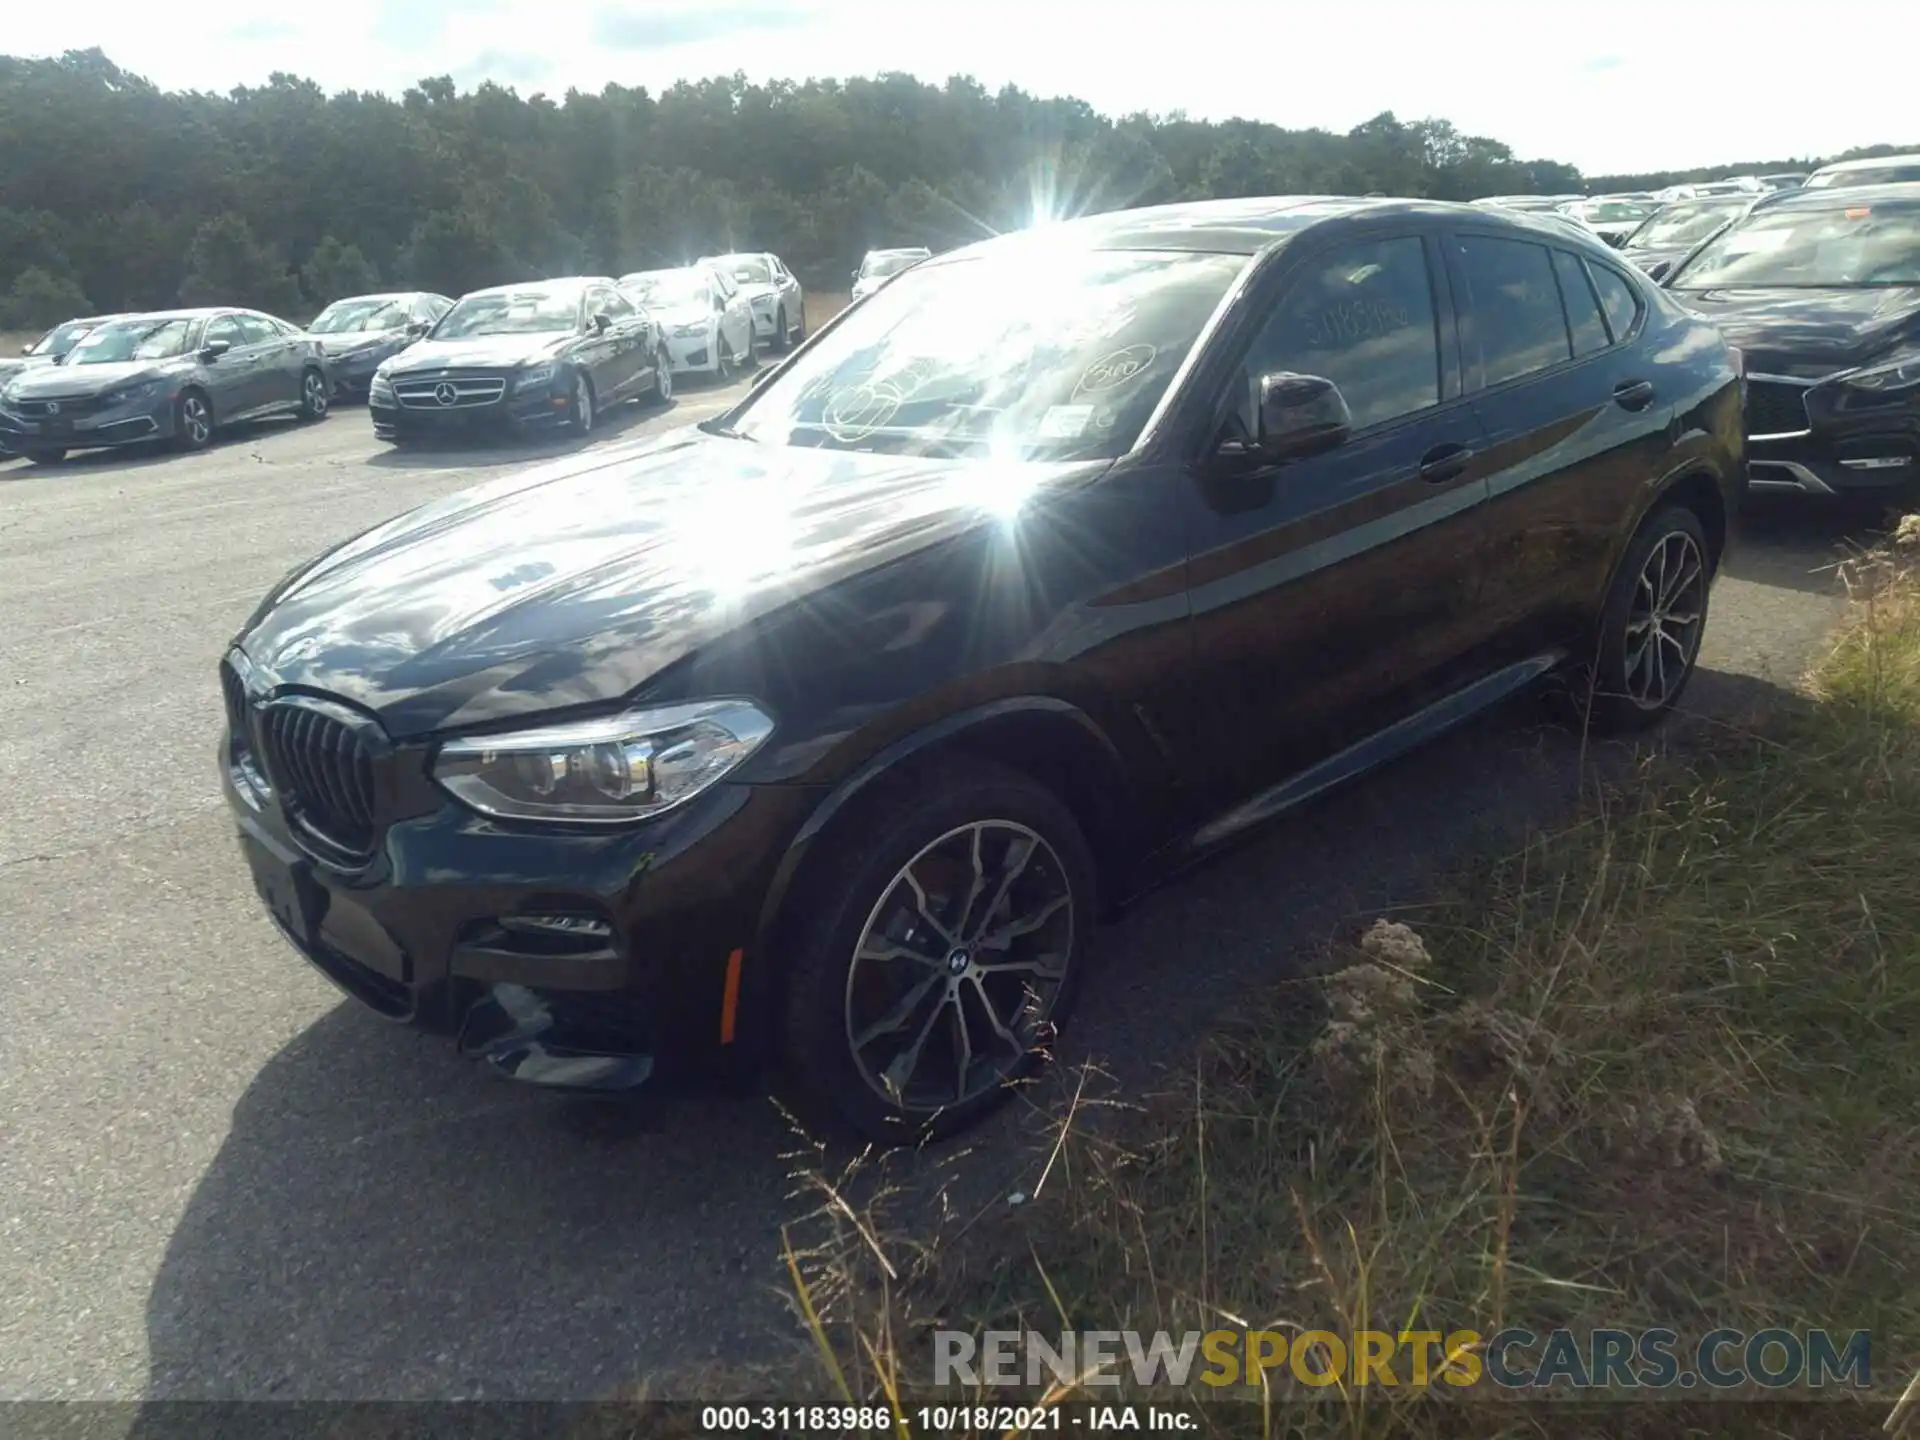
pixel 1820 289
pixel 1676 231
pixel 356 334
pixel 827 731
pixel 538 356
pixel 176 376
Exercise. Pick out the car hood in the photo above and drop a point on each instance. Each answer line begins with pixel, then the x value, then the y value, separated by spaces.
pixel 759 290
pixel 23 362
pixel 480 351
pixel 580 581
pixel 676 316
pixel 1809 333
pixel 82 379
pixel 1648 256
pixel 349 341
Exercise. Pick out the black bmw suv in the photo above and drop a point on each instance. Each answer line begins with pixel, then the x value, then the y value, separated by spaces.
pixel 825 731
pixel 1820 290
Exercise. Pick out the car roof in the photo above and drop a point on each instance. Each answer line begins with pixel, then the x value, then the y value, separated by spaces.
pixel 378 295
pixel 1876 162
pixel 1248 226
pixel 564 282
pixel 198 312
pixel 1846 197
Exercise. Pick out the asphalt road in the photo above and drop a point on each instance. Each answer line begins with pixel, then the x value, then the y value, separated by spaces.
pixel 219 1179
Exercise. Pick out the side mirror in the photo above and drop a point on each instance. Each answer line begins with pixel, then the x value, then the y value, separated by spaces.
pixel 856 276
pixel 27 349
pixel 1616 241
pixel 214 349
pixel 1298 416
pixel 417 328
pixel 603 322
pixel 1659 270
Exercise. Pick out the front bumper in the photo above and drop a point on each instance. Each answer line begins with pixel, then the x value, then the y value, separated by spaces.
pixel 523 413
pixel 443 929
pixel 352 373
pixel 137 422
pixel 695 353
pixel 1838 442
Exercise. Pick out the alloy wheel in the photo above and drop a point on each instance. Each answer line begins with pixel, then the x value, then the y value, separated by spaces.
pixel 582 404
pixel 1664 623
pixel 663 376
pixel 316 394
pixel 196 420
pixel 956 971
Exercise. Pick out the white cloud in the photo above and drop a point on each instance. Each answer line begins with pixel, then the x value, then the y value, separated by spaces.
pixel 1606 89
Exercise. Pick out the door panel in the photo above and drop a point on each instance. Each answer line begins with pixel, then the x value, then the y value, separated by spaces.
pixel 1566 459
pixel 1335 593
pixel 234 378
pixel 277 360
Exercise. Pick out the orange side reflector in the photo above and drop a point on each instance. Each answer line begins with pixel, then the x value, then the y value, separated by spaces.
pixel 1859 212
pixel 730 1000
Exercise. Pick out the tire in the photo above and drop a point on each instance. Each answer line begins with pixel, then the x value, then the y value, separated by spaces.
pixel 1621 685
pixel 192 421
pixel 580 406
pixel 315 395
pixel 39 456
pixel 722 362
pixel 800 330
pixel 834 998
pixel 663 376
pixel 782 339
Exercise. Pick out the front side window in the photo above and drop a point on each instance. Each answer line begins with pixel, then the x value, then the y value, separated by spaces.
pixel 1363 318
pixel 1032 352
pixel 1513 312
pixel 511 312
pixel 224 327
pixel 1802 249
pixel 127 340
pixel 256 329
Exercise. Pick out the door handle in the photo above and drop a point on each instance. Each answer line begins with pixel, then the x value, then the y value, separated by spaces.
pixel 1633 394
pixel 1444 463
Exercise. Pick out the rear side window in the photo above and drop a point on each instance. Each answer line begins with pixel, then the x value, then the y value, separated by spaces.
pixel 1514 313
pixel 1584 322
pixel 1621 301
pixel 1362 317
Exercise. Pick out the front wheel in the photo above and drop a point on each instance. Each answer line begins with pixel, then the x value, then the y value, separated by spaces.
pixel 192 421
pixel 663 376
pixel 782 339
pixel 1650 629
pixel 42 456
pixel 580 408
pixel 939 952
pixel 315 396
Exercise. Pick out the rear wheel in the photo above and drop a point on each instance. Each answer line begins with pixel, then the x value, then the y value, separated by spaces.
pixel 192 421
pixel 315 395
pixel 941 946
pixel 41 456
pixel 1650 629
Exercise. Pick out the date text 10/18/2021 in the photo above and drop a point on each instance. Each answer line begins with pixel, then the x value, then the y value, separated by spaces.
pixel 941 1419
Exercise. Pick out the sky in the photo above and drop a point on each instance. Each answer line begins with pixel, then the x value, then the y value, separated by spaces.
pixel 1608 88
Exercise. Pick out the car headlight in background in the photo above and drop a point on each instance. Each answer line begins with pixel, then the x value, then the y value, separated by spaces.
pixel 619 768
pixel 128 394
pixel 763 302
pixel 534 375
pixel 1900 374
pixel 689 332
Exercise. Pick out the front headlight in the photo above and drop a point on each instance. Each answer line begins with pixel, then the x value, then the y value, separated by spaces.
pixel 381 386
pixel 127 394
pixel 534 375
pixel 763 302
pixel 621 768
pixel 688 332
pixel 1900 374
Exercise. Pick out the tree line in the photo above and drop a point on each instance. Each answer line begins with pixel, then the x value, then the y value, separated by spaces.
pixel 118 195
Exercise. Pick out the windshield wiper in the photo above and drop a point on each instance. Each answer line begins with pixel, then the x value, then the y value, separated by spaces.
pixel 725 432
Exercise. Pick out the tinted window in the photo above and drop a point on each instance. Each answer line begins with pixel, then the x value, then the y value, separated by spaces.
pixel 1362 318
pixel 1583 310
pixel 1622 302
pixel 1515 307
pixel 256 329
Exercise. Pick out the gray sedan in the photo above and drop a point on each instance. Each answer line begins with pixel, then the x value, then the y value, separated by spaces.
pixel 176 376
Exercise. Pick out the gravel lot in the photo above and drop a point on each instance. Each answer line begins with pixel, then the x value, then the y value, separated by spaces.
pixel 223 1180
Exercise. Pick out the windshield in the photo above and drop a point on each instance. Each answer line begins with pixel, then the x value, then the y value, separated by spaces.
pixel 1813 249
pixel 1604 212
pixel 1875 175
pixel 670 289
pixel 1021 355
pixel 748 270
pixel 1683 224
pixel 876 267
pixel 61 338
pixel 368 314
pixel 133 340
pixel 510 312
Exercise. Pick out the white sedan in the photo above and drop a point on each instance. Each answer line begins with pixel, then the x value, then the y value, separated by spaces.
pixel 705 316
pixel 779 304
pixel 881 266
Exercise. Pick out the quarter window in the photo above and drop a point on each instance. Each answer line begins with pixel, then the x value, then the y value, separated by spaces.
pixel 1584 323
pixel 1363 318
pixel 1618 296
pixel 1514 311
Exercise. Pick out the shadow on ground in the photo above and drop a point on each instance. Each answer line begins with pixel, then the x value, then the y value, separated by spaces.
pixel 385 1222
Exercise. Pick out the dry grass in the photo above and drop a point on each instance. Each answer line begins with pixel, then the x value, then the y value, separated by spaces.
pixel 822 308
pixel 1661 1068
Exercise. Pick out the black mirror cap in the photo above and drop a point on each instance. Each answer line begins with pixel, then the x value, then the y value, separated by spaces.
pixel 1301 415
pixel 603 322
pixel 1659 270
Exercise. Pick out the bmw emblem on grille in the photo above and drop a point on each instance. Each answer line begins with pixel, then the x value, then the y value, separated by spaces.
pixel 53 407
pixel 445 393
